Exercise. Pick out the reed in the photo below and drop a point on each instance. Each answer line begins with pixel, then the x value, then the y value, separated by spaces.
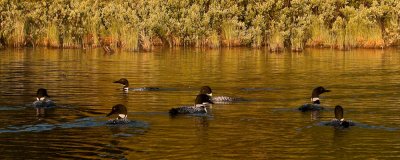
pixel 52 37
pixel 91 38
pixel 213 40
pixel 176 40
pixel 17 38
pixel 276 42
pixel 364 35
pixel 145 41
pixel 276 39
pixel 228 34
pixel 339 34
pixel 130 39
pixel 258 38
pixel 298 39
pixel 115 32
pixel 320 35
pixel 140 25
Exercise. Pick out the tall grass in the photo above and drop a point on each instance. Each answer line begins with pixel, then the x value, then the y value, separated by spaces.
pixel 145 41
pixel 339 33
pixel 130 39
pixel 213 41
pixel 297 41
pixel 230 34
pixel 320 35
pixel 52 37
pixel 140 25
pixel 276 38
pixel 17 38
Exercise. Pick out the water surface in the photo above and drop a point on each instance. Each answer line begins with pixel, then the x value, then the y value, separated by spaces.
pixel 268 126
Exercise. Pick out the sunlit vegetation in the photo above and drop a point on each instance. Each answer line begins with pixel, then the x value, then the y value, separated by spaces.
pixel 142 24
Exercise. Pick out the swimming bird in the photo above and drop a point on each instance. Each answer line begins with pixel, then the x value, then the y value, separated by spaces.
pixel 339 121
pixel 43 101
pixel 316 92
pixel 219 99
pixel 121 112
pixel 125 87
pixel 314 100
pixel 201 103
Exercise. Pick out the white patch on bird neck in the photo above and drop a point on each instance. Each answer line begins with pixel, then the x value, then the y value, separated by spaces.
pixel 126 89
pixel 202 105
pixel 210 94
pixel 342 119
pixel 40 99
pixel 314 99
pixel 122 116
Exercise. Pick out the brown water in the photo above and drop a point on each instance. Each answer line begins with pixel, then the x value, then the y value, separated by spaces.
pixel 268 126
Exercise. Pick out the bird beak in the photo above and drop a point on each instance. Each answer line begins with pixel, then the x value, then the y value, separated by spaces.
pixel 327 90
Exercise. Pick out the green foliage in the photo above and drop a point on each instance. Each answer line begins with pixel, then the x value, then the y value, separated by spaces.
pixel 140 25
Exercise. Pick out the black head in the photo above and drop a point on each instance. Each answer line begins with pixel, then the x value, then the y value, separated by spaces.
pixel 41 92
pixel 338 112
pixel 206 90
pixel 123 81
pixel 203 98
pixel 317 91
pixel 118 109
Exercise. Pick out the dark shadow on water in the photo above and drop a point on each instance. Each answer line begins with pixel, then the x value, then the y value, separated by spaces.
pixel 295 109
pixel 190 115
pixel 357 124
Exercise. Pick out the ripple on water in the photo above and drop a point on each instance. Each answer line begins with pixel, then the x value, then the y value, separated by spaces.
pixel 11 108
pixel 87 122
pixel 258 89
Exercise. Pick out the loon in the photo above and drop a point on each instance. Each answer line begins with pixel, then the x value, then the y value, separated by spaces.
pixel 339 121
pixel 42 101
pixel 201 103
pixel 125 82
pixel 121 112
pixel 315 100
pixel 219 99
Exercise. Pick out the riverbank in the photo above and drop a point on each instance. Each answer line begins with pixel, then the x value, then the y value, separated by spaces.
pixel 141 25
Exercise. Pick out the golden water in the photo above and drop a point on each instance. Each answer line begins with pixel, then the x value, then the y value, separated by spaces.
pixel 268 126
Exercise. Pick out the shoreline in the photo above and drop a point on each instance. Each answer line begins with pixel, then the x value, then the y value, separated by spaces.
pixel 160 48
